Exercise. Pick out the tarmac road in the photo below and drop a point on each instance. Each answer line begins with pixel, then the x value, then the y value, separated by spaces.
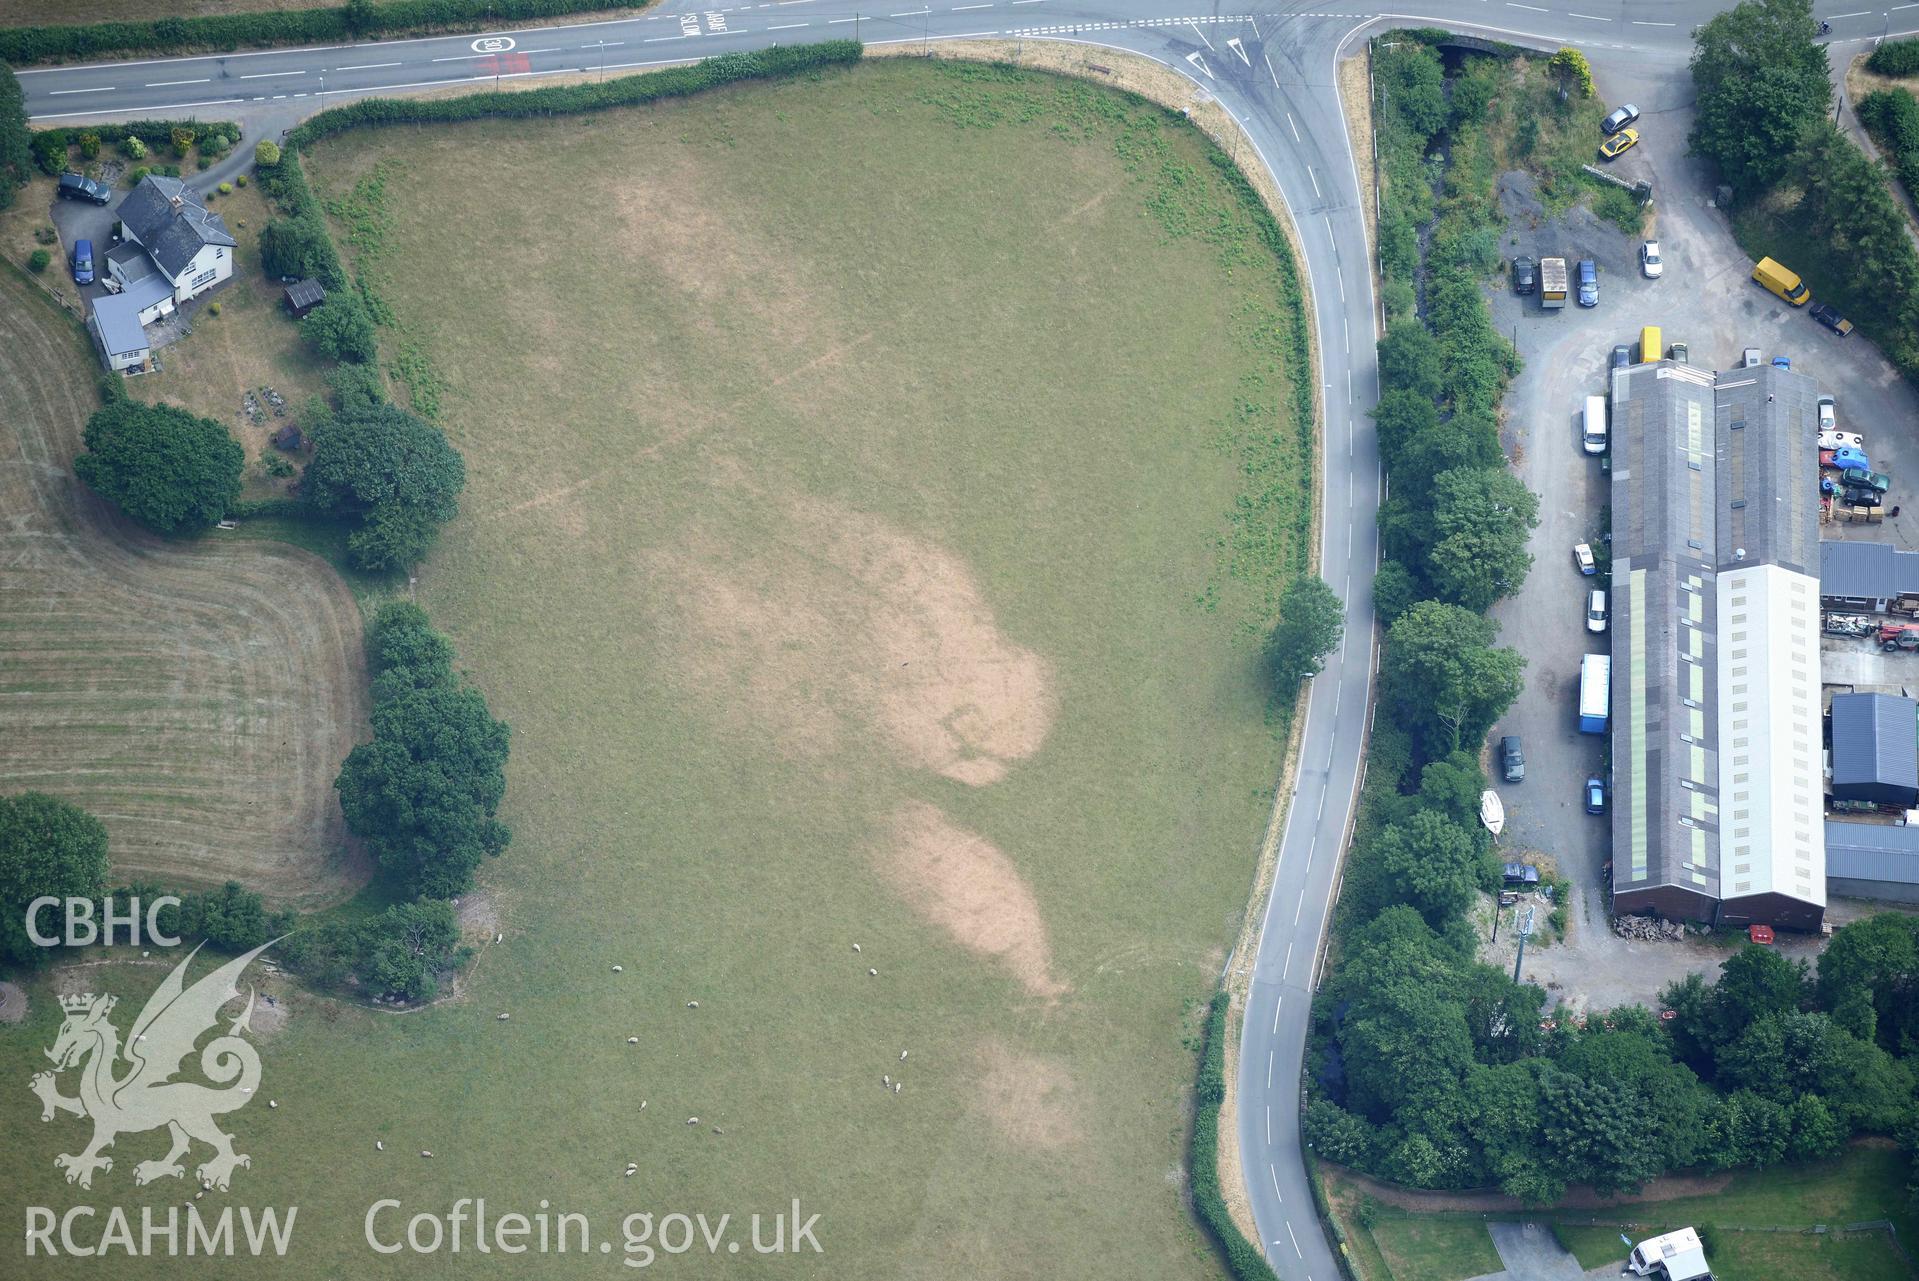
pixel 1272 67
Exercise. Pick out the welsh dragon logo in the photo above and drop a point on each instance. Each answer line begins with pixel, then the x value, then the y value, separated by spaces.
pixel 129 1089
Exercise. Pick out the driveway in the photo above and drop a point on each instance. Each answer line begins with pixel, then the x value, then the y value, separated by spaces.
pixel 1531 1253
pixel 77 220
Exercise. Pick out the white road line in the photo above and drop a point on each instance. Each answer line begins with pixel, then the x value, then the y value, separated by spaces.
pixel 1276 1004
pixel 464 57
pixel 1287 968
pixel 1511 5
pixel 1274 1171
pixel 1201 34
pixel 555 49
pixel 1269 1125
pixel 1588 17
pixel 367 66
pixel 1269 1055
pixel 1296 912
pixel 1289 1232
pixel 657 39
pixel 55 93
pixel 1289 116
pixel 962 8
pixel 161 84
pixel 1637 23
pixel 1862 13
pixel 1898 7
pixel 1275 75
pixel 831 21
pixel 910 13
pixel 788 26
pixel 1315 178
pixel 268 75
pixel 602 44
pixel 1346 332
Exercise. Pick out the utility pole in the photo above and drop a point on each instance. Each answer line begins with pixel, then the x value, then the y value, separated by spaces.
pixel 602 45
pixel 1525 932
pixel 323 93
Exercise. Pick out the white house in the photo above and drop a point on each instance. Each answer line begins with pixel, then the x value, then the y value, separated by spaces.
pixel 188 246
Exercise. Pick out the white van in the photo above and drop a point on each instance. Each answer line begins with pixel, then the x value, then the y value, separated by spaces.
pixel 1594 438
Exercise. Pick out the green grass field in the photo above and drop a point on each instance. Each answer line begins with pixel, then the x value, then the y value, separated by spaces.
pixel 878 486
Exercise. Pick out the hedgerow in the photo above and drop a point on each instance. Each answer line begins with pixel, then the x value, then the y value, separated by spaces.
pixel 1243 1258
pixel 352 21
pixel 1895 58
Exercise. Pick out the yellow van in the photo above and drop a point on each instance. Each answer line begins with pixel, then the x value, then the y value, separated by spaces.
pixel 1782 282
pixel 1650 349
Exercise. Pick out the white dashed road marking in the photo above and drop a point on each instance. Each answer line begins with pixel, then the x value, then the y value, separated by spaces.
pixel 161 84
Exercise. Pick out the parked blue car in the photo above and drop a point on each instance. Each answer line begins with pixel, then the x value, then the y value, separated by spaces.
pixel 83 262
pixel 1850 457
pixel 1588 283
pixel 1782 362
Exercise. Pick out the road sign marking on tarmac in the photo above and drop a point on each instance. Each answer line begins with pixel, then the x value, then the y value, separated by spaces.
pixel 493 44
pixel 1239 49
pixel 1195 59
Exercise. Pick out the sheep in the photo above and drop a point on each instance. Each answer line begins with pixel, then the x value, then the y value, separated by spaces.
pixel 886 1080
pixel 503 1017
pixel 379 1145
pixel 273 1103
pixel 692 1120
pixel 856 947
pixel 619 969
pixel 632 1040
pixel 902 1056
pixel 428 1155
pixel 692 1005
pixel 897 1086
pixel 498 937
pixel 873 973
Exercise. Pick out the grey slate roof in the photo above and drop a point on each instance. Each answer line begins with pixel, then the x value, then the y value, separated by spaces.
pixel 1875 739
pixel 131 259
pixel 1870 570
pixel 1872 852
pixel 173 236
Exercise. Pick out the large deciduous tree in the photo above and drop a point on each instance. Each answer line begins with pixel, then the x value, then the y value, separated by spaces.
pixel 393 472
pixel 1482 519
pixel 1444 675
pixel 1311 621
pixel 172 471
pixel 1762 81
pixel 46 847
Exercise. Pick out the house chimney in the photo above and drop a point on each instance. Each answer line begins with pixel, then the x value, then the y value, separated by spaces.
pixel 177 203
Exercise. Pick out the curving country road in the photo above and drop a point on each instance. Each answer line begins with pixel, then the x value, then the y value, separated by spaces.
pixel 1272 67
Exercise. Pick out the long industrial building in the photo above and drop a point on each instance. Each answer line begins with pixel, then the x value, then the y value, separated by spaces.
pixel 1716 728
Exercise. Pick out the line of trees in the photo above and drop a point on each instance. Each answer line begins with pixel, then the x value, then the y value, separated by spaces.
pixel 16 147
pixel 424 792
pixel 1805 193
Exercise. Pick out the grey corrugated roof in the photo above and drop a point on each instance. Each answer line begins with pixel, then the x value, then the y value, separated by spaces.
pixel 172 236
pixel 1875 739
pixel 1871 570
pixel 1768 493
pixel 1872 852
pixel 1662 513
pixel 306 293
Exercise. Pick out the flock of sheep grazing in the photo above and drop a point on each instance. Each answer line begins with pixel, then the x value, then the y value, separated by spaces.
pixel 632 1167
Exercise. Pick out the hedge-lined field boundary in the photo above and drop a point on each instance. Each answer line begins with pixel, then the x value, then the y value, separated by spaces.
pixel 355 20
pixel 1243 1259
